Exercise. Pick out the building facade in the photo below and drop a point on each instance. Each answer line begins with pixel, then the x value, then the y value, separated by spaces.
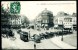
pixel 15 21
pixel 68 21
pixel 44 19
pixel 18 21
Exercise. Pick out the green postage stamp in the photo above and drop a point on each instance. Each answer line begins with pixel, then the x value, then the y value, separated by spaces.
pixel 15 7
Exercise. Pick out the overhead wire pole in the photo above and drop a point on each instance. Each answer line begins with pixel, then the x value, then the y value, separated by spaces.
pixel 34 42
pixel 62 32
pixel 29 35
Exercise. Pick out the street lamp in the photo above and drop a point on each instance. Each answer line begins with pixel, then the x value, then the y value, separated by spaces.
pixel 62 32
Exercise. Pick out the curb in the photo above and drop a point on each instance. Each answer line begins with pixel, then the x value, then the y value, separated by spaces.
pixel 58 42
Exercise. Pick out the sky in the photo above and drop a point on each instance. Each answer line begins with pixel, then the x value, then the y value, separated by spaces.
pixel 31 9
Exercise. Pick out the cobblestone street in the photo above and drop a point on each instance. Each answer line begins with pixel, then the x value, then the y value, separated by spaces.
pixel 38 25
pixel 19 44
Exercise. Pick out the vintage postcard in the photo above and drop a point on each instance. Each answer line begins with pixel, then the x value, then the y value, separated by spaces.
pixel 38 25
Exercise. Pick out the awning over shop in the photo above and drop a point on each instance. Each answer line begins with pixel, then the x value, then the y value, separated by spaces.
pixel 55 25
pixel 68 26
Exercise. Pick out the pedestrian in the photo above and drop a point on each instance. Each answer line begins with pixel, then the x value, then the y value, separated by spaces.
pixel 7 33
pixel 34 46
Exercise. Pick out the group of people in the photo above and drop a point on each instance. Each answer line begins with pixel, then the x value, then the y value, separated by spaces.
pixel 7 33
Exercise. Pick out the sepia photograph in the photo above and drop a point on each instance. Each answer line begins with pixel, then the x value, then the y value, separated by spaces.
pixel 38 25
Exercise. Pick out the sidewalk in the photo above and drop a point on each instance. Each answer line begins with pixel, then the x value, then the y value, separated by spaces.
pixel 61 44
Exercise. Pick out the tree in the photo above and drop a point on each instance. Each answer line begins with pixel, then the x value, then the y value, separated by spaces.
pixel 2 9
pixel 25 20
pixel 4 17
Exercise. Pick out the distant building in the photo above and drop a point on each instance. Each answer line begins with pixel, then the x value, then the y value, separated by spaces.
pixel 37 22
pixel 25 21
pixel 44 19
pixel 65 19
pixel 74 16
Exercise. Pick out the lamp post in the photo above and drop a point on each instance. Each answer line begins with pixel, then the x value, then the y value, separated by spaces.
pixel 62 32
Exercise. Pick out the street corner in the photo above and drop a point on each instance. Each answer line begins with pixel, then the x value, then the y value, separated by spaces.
pixel 62 44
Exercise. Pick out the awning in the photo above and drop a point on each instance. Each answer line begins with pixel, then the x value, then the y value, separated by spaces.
pixel 55 25
pixel 68 26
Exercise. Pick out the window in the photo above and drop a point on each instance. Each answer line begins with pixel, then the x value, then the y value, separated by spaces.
pixel 19 22
pixel 10 23
pixel 13 22
pixel 44 21
pixel 56 20
pixel 74 21
pixel 70 20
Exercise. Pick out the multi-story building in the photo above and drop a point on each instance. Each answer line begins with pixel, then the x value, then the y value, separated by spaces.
pixel 15 21
pixel 18 21
pixel 74 21
pixel 65 19
pixel 8 19
pixel 44 19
